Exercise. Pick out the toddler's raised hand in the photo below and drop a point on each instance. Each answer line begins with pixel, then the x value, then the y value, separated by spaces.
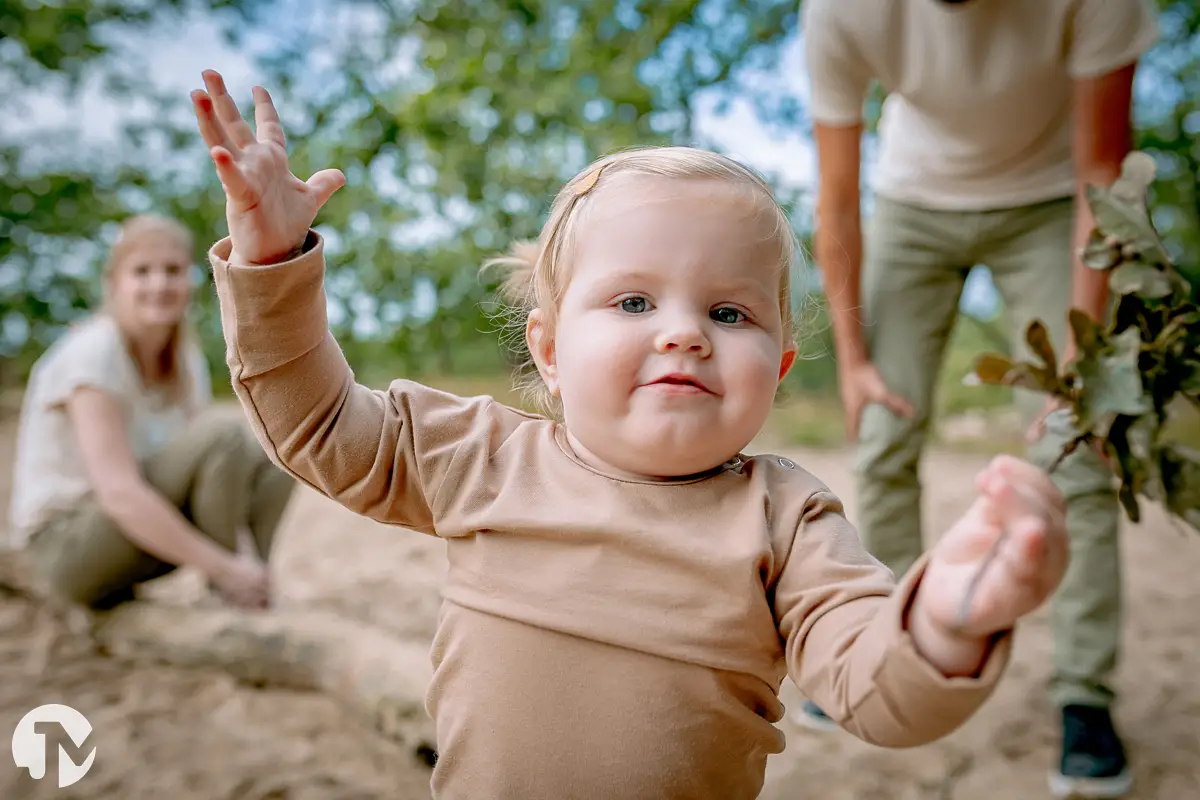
pixel 269 210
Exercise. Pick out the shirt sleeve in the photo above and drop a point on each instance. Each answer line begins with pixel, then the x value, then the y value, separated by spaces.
pixel 838 77
pixel 844 624
pixel 394 455
pixel 1108 34
pixel 90 357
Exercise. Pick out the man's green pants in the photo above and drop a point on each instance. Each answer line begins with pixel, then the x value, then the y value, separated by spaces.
pixel 915 265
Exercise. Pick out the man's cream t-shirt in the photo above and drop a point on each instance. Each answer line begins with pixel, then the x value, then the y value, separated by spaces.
pixel 978 113
pixel 49 474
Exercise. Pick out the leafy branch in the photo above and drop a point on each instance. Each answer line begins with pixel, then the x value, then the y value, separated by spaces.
pixel 1130 371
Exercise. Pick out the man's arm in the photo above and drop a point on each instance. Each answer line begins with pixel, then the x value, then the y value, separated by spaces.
pixel 837 242
pixel 1108 37
pixel 838 79
pixel 1103 136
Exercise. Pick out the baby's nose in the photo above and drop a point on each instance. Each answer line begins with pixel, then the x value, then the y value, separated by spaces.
pixel 688 337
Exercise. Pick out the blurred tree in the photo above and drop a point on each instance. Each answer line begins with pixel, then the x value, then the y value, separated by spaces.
pixel 454 123
pixel 55 208
pixel 1169 129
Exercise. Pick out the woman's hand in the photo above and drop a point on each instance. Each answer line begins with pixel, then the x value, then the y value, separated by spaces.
pixel 269 210
pixel 242 580
pixel 1016 532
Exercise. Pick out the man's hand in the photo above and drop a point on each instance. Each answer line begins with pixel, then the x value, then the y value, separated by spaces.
pixel 861 384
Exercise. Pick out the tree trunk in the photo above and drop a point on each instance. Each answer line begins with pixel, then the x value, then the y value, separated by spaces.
pixel 378 676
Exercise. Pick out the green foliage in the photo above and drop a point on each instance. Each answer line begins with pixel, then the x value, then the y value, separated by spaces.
pixel 454 123
pixel 59 201
pixel 451 160
pixel 1168 116
pixel 1127 373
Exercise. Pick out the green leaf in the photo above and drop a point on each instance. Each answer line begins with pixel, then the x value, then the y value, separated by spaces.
pixel 997 370
pixel 1088 334
pixel 1138 171
pixel 1190 384
pixel 1038 339
pixel 1144 447
pixel 1181 482
pixel 993 369
pixel 1111 384
pixel 1142 279
pixel 1044 375
pixel 1099 253
pixel 1128 464
pixel 1120 209
pixel 1128 498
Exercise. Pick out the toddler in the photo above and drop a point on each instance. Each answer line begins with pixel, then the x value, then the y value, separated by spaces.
pixel 626 589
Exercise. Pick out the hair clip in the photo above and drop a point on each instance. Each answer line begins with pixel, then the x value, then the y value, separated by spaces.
pixel 588 182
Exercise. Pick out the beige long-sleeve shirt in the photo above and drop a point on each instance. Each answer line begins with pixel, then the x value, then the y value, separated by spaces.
pixel 600 637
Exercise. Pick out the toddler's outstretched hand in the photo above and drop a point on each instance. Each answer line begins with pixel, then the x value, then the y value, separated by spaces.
pixel 269 210
pixel 1018 524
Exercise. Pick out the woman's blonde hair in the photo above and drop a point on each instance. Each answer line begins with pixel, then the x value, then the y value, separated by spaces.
pixel 174 370
pixel 536 273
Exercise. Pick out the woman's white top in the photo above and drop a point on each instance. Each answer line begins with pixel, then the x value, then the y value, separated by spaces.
pixel 49 473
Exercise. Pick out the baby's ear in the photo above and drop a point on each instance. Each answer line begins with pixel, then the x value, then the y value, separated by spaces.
pixel 539 338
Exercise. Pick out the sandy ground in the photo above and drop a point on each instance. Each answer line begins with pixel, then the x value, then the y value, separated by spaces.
pixel 196 735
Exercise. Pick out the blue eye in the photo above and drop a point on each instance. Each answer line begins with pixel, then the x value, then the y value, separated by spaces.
pixel 633 305
pixel 727 315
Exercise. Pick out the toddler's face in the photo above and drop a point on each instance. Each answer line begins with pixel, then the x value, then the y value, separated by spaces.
pixel 669 344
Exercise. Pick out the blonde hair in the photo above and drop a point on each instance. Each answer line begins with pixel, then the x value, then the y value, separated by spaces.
pixel 536 273
pixel 173 364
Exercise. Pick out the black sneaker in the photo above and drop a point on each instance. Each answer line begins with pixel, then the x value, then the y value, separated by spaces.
pixel 811 716
pixel 1093 761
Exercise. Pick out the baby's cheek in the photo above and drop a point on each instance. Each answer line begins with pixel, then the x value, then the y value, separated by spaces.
pixel 599 360
pixel 758 365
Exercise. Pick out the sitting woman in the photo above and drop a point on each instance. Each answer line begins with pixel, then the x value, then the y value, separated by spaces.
pixel 123 471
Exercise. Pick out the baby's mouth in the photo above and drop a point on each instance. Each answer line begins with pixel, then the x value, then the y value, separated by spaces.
pixel 682 382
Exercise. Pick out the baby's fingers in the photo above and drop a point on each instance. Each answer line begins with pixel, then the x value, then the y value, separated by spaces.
pixel 1035 556
pixel 266 118
pixel 1017 489
pixel 227 110
pixel 1035 479
pixel 211 129
pixel 237 188
pixel 325 183
pixel 1025 550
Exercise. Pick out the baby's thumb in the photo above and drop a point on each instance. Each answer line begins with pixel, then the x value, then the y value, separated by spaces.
pixel 325 183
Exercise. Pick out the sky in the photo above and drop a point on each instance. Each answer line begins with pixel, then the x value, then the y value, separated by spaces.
pixel 179 68
pixel 737 133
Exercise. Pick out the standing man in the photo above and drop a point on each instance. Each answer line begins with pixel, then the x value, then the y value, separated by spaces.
pixel 999 113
